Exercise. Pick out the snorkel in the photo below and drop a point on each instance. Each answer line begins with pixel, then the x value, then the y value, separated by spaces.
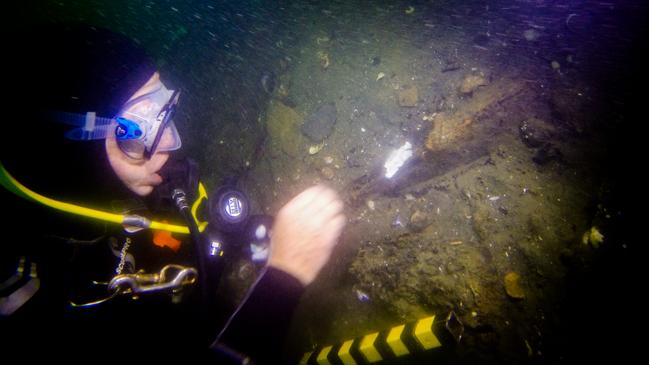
pixel 139 128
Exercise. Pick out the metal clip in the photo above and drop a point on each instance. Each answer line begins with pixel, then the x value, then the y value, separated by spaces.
pixel 454 326
pixel 142 283
pixel 26 290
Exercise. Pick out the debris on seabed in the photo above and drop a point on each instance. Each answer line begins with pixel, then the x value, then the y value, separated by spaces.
pixel 316 148
pixel 398 222
pixel 396 159
pixel 362 296
pixel 593 237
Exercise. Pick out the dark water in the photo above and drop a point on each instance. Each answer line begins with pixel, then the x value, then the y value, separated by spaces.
pixel 574 67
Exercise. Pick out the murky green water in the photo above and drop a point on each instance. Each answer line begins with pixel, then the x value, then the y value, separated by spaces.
pixel 511 111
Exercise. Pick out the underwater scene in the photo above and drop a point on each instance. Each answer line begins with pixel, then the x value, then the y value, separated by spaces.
pixel 476 146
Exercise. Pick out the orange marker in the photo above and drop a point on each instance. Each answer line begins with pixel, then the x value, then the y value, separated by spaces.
pixel 165 239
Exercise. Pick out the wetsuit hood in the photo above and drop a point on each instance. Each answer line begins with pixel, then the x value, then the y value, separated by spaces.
pixel 67 68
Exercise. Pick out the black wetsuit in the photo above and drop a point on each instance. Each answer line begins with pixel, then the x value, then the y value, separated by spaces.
pixel 150 328
pixel 258 330
pixel 97 70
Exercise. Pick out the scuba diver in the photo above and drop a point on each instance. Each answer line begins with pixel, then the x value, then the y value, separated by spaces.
pixel 89 131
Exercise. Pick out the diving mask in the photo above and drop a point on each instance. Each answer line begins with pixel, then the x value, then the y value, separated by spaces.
pixel 143 127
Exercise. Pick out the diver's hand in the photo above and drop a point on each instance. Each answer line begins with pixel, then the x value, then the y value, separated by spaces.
pixel 305 232
pixel 140 176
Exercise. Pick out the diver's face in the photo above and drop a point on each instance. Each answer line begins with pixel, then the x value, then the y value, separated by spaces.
pixel 139 175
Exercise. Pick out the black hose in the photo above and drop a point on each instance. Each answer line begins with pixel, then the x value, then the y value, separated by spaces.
pixel 179 197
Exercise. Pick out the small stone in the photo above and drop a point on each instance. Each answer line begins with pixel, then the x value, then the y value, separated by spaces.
pixel 362 296
pixel 324 59
pixel 535 132
pixel 531 35
pixel 513 285
pixel 370 204
pixel 282 124
pixel 453 267
pixel 327 172
pixel 315 148
pixel 471 83
pixel 593 237
pixel 555 65
pixel 408 97
pixel 418 221
pixel 320 123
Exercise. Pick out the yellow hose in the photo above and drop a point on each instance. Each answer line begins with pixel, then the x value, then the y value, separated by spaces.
pixel 19 189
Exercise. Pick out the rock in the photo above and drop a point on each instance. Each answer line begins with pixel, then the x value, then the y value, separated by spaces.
pixel 315 148
pixel 450 128
pixel 570 110
pixel 282 123
pixel 324 59
pixel 319 124
pixel 593 237
pixel 327 172
pixel 547 153
pixel 447 130
pixel 408 97
pixel 471 83
pixel 268 82
pixel 418 221
pixel 453 267
pixel 535 132
pixel 513 285
pixel 531 35
pixel 284 86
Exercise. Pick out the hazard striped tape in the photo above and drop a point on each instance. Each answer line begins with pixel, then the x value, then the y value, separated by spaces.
pixel 398 341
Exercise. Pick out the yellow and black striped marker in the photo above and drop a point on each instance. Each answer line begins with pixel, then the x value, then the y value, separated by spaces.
pixel 398 341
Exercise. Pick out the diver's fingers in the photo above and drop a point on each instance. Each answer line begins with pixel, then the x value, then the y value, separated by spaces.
pixel 334 229
pixel 337 224
pixel 331 210
pixel 326 197
pixel 303 199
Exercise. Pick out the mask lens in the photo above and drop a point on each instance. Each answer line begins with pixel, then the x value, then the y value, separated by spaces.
pixel 132 148
pixel 151 116
pixel 167 141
